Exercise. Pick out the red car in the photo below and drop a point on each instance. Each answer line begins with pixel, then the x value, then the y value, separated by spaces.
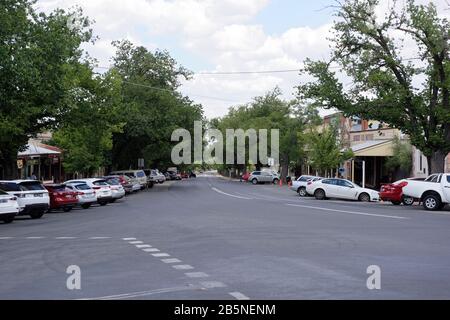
pixel 393 192
pixel 245 176
pixel 61 197
pixel 184 175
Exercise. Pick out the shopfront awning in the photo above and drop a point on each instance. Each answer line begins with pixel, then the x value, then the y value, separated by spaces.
pixel 374 148
pixel 34 148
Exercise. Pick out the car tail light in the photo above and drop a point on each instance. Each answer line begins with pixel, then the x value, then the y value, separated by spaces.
pixel 96 188
pixel 79 193
pixel 403 184
pixel 13 199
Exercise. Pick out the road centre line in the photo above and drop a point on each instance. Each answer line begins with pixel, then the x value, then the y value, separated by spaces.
pixel 349 212
pixel 238 296
pixel 142 293
pixel 229 195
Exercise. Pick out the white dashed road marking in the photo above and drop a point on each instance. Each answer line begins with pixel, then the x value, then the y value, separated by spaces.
pixel 99 238
pixel 160 255
pixel 65 238
pixel 196 275
pixel 239 296
pixel 171 260
pixel 128 239
pixel 183 267
pixel 150 250
pixel 212 284
pixel 142 246
pixel 135 242
pixel 32 238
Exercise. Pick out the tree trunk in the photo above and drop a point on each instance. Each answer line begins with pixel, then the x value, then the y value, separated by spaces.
pixel 10 169
pixel 436 162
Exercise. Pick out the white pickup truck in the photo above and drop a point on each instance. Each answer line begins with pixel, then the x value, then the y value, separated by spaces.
pixel 433 192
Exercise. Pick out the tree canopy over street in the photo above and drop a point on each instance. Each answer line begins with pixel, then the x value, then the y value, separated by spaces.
pixel 411 93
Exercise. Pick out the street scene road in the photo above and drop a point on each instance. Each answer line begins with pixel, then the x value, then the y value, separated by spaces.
pixel 216 238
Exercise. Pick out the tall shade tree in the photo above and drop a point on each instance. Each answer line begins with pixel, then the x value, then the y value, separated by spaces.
pixel 36 50
pixel 152 107
pixel 411 93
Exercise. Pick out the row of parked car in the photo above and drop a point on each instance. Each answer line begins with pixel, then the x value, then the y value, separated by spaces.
pixel 433 192
pixel 31 197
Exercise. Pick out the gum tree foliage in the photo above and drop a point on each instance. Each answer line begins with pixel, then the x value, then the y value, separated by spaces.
pixel 270 111
pixel 151 107
pixel 402 158
pixel 36 51
pixel 86 134
pixel 385 79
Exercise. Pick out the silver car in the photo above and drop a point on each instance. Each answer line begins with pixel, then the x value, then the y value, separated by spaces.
pixel 263 177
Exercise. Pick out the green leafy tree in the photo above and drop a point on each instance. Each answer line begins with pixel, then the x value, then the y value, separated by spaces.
pixel 36 50
pixel 152 107
pixel 368 48
pixel 402 158
pixel 86 134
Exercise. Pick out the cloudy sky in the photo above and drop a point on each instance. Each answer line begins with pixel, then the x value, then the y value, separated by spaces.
pixel 208 36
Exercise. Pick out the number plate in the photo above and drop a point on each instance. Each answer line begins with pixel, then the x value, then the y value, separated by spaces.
pixel 38 195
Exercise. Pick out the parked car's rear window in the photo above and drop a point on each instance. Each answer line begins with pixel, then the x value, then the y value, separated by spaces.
pixel 113 181
pixel 59 188
pixel 100 183
pixel 9 186
pixel 31 186
pixel 83 187
pixel 140 174
pixel 448 179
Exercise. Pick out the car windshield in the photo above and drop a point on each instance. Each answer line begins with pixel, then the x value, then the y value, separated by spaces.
pixel 31 186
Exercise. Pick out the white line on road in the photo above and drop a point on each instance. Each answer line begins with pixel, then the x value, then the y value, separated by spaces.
pixel 6 238
pixel 230 195
pixel 150 250
pixel 239 296
pixel 141 293
pixel 142 246
pixel 183 267
pixel 128 239
pixel 99 238
pixel 350 212
pixel 31 238
pixel 212 284
pixel 171 260
pixel 196 275
pixel 160 255
pixel 65 238
pixel 136 242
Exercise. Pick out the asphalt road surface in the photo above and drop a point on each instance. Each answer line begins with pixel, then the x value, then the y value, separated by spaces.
pixel 210 238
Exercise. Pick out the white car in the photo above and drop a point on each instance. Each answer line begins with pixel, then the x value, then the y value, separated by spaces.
pixel 101 188
pixel 340 189
pixel 85 194
pixel 139 175
pixel 9 207
pixel 433 192
pixel 299 185
pixel 157 176
pixel 118 192
pixel 32 197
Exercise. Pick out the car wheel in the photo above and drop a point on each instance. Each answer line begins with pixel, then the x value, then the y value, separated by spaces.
pixel 86 206
pixel 364 197
pixel 67 209
pixel 276 181
pixel 302 192
pixel 103 203
pixel 408 201
pixel 36 215
pixel 255 181
pixel 432 202
pixel 112 200
pixel 8 219
pixel 396 203
pixel 319 194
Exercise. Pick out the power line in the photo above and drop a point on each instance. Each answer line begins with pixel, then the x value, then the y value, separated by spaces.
pixel 171 91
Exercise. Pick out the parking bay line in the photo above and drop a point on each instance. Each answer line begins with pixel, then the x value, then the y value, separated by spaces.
pixel 350 212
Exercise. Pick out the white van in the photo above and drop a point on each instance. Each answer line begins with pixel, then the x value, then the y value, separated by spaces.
pixel 137 174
